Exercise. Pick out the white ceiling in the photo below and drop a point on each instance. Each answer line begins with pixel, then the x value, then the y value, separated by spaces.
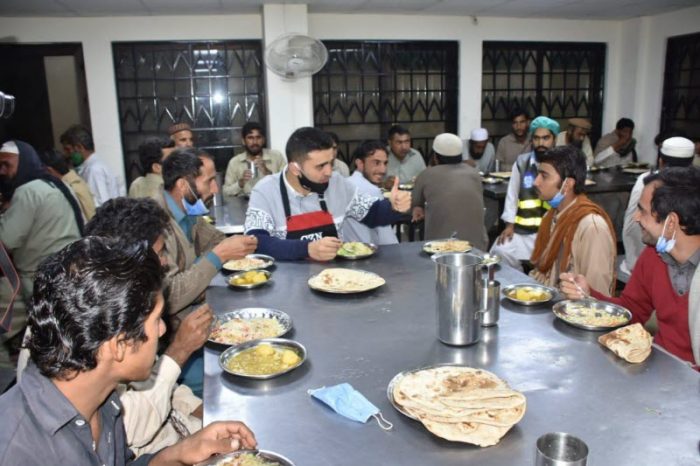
pixel 570 9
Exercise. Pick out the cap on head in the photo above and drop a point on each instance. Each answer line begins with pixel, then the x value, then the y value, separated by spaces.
pixel 447 145
pixel 479 134
pixel 10 147
pixel 176 128
pixel 580 123
pixel 677 147
pixel 546 123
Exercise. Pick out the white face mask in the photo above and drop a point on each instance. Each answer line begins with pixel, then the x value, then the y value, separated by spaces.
pixel 663 244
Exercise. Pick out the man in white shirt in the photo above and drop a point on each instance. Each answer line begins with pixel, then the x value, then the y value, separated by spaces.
pixel 338 165
pixel 405 162
pixel 371 160
pixel 78 145
pixel 479 152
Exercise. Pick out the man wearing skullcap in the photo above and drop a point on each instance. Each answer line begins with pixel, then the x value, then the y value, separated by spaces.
pixel 523 209
pixel 450 196
pixel 479 152
pixel 617 147
pixel 181 135
pixel 577 135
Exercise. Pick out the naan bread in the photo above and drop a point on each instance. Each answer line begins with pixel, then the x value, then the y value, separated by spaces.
pixel 345 280
pixel 632 343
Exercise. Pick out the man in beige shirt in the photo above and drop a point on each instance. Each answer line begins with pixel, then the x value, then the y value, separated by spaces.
pixel 151 183
pixel 577 135
pixel 247 168
pixel 513 144
pixel 617 147
pixel 575 235
pixel 57 165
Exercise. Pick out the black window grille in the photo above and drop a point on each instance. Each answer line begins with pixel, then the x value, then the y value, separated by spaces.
pixel 680 110
pixel 216 87
pixel 559 80
pixel 367 86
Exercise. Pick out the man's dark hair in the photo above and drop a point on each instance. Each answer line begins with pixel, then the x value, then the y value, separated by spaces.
pixel 569 162
pixel 367 148
pixel 397 129
pixel 54 159
pixel 89 292
pixel 250 127
pixel 334 137
pixel 129 220
pixel 183 162
pixel 78 134
pixel 518 111
pixel 150 152
pixel 305 140
pixel 623 123
pixel 678 191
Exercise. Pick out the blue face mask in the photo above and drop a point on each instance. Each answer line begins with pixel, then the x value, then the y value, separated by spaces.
pixel 663 244
pixel 350 403
pixel 558 197
pixel 196 209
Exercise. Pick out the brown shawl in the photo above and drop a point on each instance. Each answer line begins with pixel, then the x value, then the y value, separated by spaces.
pixel 543 256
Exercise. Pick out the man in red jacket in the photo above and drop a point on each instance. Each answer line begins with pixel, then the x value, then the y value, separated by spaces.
pixel 669 215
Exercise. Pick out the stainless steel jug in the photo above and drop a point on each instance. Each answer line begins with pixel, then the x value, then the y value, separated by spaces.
pixel 459 301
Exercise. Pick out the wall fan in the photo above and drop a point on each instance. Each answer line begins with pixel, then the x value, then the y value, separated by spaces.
pixel 295 55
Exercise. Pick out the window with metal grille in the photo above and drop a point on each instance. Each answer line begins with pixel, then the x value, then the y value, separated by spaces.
pixel 215 87
pixel 367 86
pixel 559 80
pixel 680 110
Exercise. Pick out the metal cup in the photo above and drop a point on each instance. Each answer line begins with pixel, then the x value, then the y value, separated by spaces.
pixel 497 166
pixel 560 449
pixel 253 168
pixel 492 303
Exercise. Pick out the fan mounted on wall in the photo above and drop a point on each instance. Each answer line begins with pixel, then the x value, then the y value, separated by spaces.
pixel 294 56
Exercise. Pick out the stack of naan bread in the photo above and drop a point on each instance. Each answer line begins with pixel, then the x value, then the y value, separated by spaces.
pixel 632 343
pixel 341 280
pixel 460 403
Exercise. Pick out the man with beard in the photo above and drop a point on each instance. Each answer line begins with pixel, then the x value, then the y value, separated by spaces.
pixel 40 217
pixel 577 135
pixel 297 213
pixel 405 162
pixel 515 143
pixel 181 135
pixel 617 147
pixel 195 249
pixel 240 179
pixel 452 194
pixel 669 216
pixel 370 168
pixel 523 209
pixel 480 152
pixel 576 235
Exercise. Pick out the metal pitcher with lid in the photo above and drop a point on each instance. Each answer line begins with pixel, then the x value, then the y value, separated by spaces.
pixel 459 300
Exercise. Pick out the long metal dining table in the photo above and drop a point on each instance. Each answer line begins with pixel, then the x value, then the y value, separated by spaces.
pixel 644 414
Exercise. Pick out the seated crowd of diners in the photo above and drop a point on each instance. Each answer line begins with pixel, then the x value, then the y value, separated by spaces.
pixel 109 283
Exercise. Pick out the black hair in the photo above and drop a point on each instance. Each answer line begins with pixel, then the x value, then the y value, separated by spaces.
pixel 78 134
pixel 675 161
pixel 250 127
pixel 446 160
pixel 334 137
pixel 86 294
pixel 517 111
pixel 678 191
pixel 397 129
pixel 305 140
pixel 54 159
pixel 129 220
pixel 150 152
pixel 623 123
pixel 367 148
pixel 569 162
pixel 183 162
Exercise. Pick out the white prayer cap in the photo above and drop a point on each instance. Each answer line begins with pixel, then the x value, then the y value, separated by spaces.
pixel 448 145
pixel 679 148
pixel 479 134
pixel 10 148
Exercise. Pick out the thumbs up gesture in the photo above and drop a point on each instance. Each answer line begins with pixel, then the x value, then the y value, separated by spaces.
pixel 400 200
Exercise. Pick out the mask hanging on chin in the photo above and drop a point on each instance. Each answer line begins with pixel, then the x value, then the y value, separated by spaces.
pixel 318 188
pixel 664 245
pixel 558 197
pixel 197 208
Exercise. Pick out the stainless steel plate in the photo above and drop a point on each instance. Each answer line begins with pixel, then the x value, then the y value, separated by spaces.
pixel 264 454
pixel 231 278
pixel 428 247
pixel 351 256
pixel 406 186
pixel 568 311
pixel 314 286
pixel 275 342
pixel 231 266
pixel 254 313
pixel 510 289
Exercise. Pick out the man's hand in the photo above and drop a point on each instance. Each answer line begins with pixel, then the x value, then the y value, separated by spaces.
pixel 567 286
pixel 324 249
pixel 622 143
pixel 400 200
pixel 236 247
pixel 262 168
pixel 418 214
pixel 191 335
pixel 247 175
pixel 506 235
pixel 216 438
pixel 389 182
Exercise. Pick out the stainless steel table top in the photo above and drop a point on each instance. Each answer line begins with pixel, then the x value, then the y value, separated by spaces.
pixel 645 414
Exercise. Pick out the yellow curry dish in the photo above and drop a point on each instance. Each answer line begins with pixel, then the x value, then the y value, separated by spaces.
pixel 263 359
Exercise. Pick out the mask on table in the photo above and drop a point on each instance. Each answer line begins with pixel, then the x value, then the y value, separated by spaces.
pixel 663 244
pixel 350 403
pixel 197 208
pixel 318 188
pixel 558 197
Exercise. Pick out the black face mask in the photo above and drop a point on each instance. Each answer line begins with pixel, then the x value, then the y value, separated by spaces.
pixel 318 188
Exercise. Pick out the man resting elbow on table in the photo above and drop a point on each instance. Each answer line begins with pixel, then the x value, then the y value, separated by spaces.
pixel 297 213
pixel 669 215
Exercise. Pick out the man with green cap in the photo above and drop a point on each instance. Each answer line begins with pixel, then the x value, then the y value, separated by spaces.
pixel 523 209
